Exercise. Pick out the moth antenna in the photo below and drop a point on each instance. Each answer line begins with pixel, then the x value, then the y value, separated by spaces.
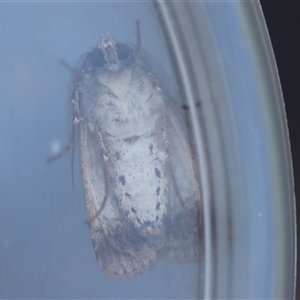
pixel 138 37
pixel 68 66
pixel 72 167
pixel 71 143
pixel 66 149
pixel 76 120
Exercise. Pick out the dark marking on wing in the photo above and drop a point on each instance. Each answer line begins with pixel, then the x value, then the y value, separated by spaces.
pixel 131 140
pixel 151 148
pixel 157 173
pixel 122 179
pixel 158 206
pixel 158 191
pixel 128 195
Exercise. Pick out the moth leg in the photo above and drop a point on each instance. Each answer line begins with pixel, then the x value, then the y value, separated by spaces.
pixel 105 155
pixel 71 143
pixel 68 67
pixel 76 120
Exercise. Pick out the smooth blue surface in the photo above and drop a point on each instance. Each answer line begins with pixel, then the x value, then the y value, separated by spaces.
pixel 257 220
pixel 45 248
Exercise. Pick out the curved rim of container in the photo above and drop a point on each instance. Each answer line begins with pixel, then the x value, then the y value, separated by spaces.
pixel 183 20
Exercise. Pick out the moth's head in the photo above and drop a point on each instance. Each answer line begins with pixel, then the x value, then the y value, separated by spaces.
pixel 110 53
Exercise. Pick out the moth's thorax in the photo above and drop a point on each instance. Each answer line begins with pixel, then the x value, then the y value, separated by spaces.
pixel 123 102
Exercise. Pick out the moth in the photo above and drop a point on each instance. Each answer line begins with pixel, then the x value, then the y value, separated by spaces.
pixel 141 191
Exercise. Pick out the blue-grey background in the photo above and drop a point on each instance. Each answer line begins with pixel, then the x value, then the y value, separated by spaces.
pixel 45 248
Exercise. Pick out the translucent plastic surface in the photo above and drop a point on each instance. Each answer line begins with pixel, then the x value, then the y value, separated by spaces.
pixel 224 63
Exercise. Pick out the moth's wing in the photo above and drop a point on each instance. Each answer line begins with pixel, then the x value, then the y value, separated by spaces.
pixel 182 158
pixel 185 226
pixel 119 247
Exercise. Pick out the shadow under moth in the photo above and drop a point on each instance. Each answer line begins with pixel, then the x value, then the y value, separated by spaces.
pixel 141 194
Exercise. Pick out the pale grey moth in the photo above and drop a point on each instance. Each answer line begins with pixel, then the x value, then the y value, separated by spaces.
pixel 141 194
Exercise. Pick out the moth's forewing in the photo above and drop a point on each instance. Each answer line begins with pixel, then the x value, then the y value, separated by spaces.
pixel 119 247
pixel 184 196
